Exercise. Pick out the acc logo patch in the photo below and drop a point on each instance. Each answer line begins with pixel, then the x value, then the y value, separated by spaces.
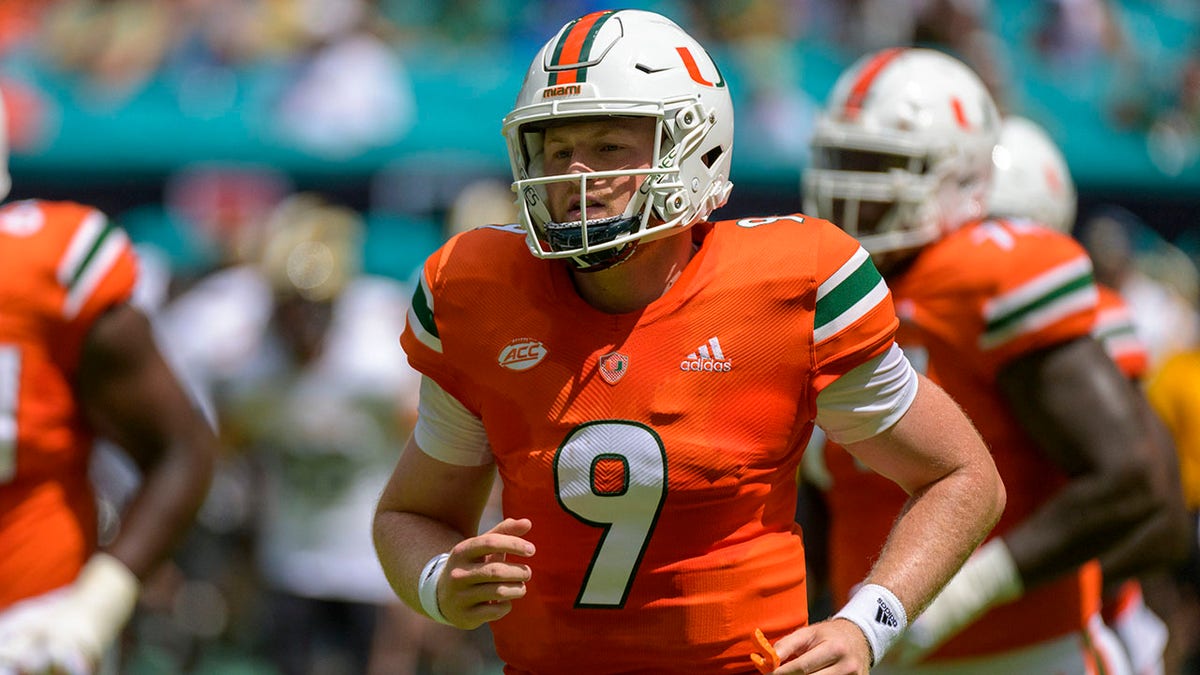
pixel 613 366
pixel 522 354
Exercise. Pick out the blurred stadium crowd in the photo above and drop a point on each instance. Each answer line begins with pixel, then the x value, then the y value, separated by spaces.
pixel 285 165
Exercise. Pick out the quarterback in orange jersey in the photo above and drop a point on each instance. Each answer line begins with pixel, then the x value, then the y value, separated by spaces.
pixel 999 313
pixel 643 382
pixel 77 360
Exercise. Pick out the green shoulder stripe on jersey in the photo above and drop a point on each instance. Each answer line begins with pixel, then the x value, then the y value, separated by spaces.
pixel 87 241
pixel 92 252
pixel 847 296
pixel 1050 297
pixel 420 317
pixel 1113 331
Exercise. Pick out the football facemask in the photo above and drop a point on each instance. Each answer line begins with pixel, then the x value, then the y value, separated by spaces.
pixel 621 64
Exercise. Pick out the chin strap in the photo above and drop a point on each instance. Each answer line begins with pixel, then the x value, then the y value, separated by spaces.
pixel 568 236
pixel 607 259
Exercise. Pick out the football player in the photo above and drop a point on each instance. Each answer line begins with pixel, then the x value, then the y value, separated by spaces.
pixel 1000 313
pixel 1032 181
pixel 77 361
pixel 643 381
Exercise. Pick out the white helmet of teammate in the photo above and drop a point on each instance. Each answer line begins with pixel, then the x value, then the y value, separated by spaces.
pixel 902 153
pixel 5 178
pixel 1031 178
pixel 623 63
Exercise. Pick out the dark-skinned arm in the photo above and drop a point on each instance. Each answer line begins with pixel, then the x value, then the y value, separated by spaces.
pixel 1122 504
pixel 1170 535
pixel 131 396
pixel 1082 412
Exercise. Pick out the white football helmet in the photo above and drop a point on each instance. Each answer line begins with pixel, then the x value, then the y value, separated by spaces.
pixel 623 63
pixel 5 178
pixel 902 153
pixel 1030 177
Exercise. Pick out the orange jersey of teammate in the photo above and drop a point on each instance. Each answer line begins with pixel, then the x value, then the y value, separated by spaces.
pixel 655 452
pixel 63 265
pixel 983 296
pixel 1116 332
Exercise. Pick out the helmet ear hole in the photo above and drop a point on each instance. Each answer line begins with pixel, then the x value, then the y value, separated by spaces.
pixel 710 158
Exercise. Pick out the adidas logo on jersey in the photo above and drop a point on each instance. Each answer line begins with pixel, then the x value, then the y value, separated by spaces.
pixel 707 358
pixel 884 615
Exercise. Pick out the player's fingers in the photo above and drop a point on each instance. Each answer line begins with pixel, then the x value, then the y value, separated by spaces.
pixel 813 662
pixel 499 570
pixel 518 527
pixel 820 649
pixel 458 579
pixel 485 593
pixel 466 588
pixel 794 643
pixel 491 543
pixel 482 613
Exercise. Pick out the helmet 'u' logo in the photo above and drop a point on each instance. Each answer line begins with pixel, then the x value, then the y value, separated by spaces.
pixel 689 62
pixel 960 115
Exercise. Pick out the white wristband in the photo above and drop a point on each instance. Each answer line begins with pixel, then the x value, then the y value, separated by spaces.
pixel 880 616
pixel 107 591
pixel 427 589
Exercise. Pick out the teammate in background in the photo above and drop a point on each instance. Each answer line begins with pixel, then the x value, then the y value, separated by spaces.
pixel 644 384
pixel 1032 181
pixel 1000 314
pixel 291 351
pixel 78 362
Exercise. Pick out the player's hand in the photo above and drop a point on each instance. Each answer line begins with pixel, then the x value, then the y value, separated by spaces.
pixel 33 639
pixel 66 631
pixel 833 647
pixel 479 582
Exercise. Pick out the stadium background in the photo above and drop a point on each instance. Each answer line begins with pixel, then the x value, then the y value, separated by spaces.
pixel 180 117
pixel 391 107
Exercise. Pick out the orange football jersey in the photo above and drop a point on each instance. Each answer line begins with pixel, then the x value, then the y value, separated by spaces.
pixel 1117 333
pixel 985 295
pixel 655 452
pixel 63 265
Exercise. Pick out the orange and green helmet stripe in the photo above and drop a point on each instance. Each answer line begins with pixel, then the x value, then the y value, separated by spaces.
pixel 573 48
pixel 866 78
